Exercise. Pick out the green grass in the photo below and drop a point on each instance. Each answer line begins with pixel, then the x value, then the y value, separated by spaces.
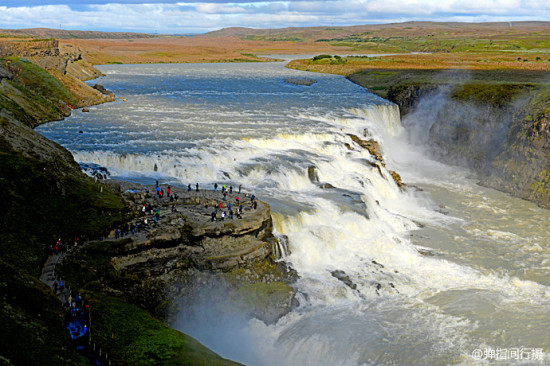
pixel 40 96
pixel 43 203
pixel 494 86
pixel 438 44
pixel 131 336
pixel 496 95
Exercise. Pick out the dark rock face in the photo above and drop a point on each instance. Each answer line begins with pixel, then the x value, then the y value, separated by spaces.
pixel 408 96
pixel 5 74
pixel 523 166
pixel 501 132
pixel 342 276
pixel 102 89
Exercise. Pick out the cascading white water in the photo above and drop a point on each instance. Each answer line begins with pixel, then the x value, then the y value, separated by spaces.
pixel 241 124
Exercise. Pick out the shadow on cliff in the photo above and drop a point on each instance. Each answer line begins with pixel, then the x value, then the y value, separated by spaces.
pixel 465 122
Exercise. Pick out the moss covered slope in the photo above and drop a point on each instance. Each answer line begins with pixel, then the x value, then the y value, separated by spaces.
pixel 44 196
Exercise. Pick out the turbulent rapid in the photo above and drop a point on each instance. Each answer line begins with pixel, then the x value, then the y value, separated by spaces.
pixel 437 272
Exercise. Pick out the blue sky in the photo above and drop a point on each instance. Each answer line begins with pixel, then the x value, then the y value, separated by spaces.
pixel 167 16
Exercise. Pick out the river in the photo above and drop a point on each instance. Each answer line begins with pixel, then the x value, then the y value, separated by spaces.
pixel 444 272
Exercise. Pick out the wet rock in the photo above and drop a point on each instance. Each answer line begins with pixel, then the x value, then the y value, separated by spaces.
pixel 342 276
pixel 104 91
pixel 312 175
pixel 94 170
pixel 427 252
pixel 371 145
pixel 397 178
pixel 314 178
pixel 85 110
pixel 300 81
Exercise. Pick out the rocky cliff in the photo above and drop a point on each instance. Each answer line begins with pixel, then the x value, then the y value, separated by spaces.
pixel 45 197
pixel 497 127
pixel 170 260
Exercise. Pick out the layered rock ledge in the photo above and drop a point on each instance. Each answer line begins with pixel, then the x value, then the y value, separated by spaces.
pixel 185 229
pixel 170 261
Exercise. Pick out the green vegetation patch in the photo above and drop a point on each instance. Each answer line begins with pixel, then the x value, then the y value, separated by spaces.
pixel 496 95
pixel 31 322
pixel 131 336
pixel 37 80
pixel 46 200
pixel 39 96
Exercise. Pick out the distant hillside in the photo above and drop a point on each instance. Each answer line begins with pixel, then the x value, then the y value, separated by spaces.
pixel 359 33
pixel 71 34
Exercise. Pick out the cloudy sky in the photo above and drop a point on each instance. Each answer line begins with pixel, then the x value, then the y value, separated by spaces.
pixel 172 16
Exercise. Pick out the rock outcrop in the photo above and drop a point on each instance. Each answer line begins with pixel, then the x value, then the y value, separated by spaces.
pixel 373 148
pixel 522 168
pixel 301 81
pixel 499 130
pixel 183 252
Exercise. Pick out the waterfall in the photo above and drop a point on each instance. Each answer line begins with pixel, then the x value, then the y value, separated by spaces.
pixel 280 247
pixel 384 275
pixel 387 115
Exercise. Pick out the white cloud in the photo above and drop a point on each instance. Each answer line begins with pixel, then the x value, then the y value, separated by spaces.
pixel 216 8
pixel 200 16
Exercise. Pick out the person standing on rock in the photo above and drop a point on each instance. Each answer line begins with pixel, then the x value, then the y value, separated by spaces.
pixel 213 216
pixel 168 191
pixel 197 187
pixel 240 189
pixel 189 188
pixel 215 187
